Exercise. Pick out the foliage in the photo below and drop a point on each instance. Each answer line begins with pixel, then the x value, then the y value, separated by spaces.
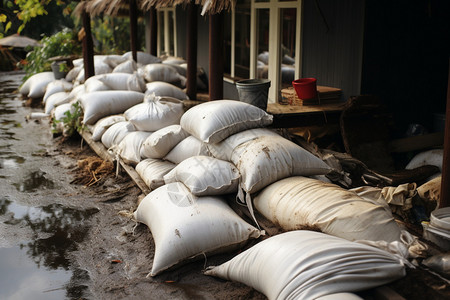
pixel 62 43
pixel 71 122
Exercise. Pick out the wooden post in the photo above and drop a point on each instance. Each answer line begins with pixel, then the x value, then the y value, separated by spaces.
pixel 133 29
pixel 216 56
pixel 88 47
pixel 445 181
pixel 153 32
pixel 191 51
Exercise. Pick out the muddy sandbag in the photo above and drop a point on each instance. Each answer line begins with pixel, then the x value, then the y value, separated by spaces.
pixel 116 133
pixel 308 265
pixel 298 202
pixel 129 147
pixel 430 193
pixel 97 105
pixel 35 86
pixel 162 72
pixel 224 149
pixel 186 227
pixel 188 147
pixel 143 58
pixel 155 113
pixel 160 142
pixel 128 66
pixel 57 86
pixel 205 176
pixel 55 100
pixel 103 124
pixel 152 171
pixel 161 88
pixel 431 157
pixel 267 159
pixel 214 121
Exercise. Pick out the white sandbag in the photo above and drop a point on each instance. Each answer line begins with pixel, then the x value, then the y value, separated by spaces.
pixel 152 171
pixel 100 67
pixel 73 74
pixel 97 105
pixel 431 157
pixel 129 66
pixel 155 114
pixel 60 112
pixel 160 142
pixel 224 149
pixel 299 202
pixel 116 133
pixel 214 121
pixel 103 124
pixel 143 58
pixel 129 148
pixel 77 91
pixel 57 86
pixel 136 83
pixel 183 228
pixel 38 84
pixel 267 159
pixel 264 57
pixel 307 265
pixel 188 147
pixel 163 72
pixel 116 81
pixel 430 193
pixel 161 88
pixel 205 176
pixel 114 60
pixel 55 100
pixel 93 84
pixel 172 60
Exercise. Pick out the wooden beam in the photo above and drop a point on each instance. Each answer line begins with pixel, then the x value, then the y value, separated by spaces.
pixel 445 182
pixel 153 31
pixel 191 50
pixel 418 142
pixel 216 56
pixel 133 29
pixel 88 47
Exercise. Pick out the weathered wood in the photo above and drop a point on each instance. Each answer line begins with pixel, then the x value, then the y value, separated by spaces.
pixel 191 50
pixel 216 56
pixel 88 47
pixel 133 29
pixel 445 183
pixel 153 31
pixel 419 142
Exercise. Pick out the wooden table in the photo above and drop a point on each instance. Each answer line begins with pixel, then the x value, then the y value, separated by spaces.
pixel 288 116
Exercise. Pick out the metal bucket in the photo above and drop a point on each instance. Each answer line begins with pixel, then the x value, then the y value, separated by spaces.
pixel 254 91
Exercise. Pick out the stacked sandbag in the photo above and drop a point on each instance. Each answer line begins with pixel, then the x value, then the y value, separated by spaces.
pixel 103 124
pixel 188 147
pixel 298 202
pixel 116 133
pixel 152 171
pixel 128 66
pixel 55 100
pixel 129 147
pixel 162 141
pixel 118 81
pixel 143 58
pixel 161 88
pixel 36 85
pixel 57 86
pixel 186 227
pixel 309 265
pixel 162 72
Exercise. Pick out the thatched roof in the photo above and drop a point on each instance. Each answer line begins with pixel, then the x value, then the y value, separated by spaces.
pixel 115 7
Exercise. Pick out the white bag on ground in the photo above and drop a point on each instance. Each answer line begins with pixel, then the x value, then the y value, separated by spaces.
pixel 103 124
pixel 205 176
pixel 188 147
pixel 163 72
pixel 35 86
pixel 129 148
pixel 97 105
pixel 299 202
pixel 186 227
pixel 214 121
pixel 128 66
pixel 161 88
pixel 55 100
pixel 155 114
pixel 307 265
pixel 152 171
pixel 143 58
pixel 267 159
pixel 116 133
pixel 56 86
pixel 160 142
pixel 431 157
pixel 224 149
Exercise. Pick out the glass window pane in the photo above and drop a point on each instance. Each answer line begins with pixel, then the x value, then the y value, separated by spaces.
pixel 242 39
pixel 227 43
pixel 262 44
pixel 288 34
pixel 161 31
pixel 171 35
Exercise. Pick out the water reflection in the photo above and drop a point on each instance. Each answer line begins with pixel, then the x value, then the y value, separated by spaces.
pixel 33 181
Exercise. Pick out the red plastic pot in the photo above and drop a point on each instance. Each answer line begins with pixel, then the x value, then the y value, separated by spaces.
pixel 306 88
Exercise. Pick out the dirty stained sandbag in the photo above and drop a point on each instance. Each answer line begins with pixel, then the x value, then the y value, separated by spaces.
pixel 129 147
pixel 160 142
pixel 224 149
pixel 298 202
pixel 55 100
pixel 103 124
pixel 35 86
pixel 97 105
pixel 155 113
pixel 57 86
pixel 308 265
pixel 116 133
pixel 161 88
pixel 430 192
pixel 188 147
pixel 214 121
pixel 431 157
pixel 152 171
pixel 186 227
pixel 205 176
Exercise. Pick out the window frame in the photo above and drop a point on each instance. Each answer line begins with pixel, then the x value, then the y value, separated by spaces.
pixel 165 22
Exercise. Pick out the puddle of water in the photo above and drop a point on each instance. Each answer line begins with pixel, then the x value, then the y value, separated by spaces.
pixel 33 181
